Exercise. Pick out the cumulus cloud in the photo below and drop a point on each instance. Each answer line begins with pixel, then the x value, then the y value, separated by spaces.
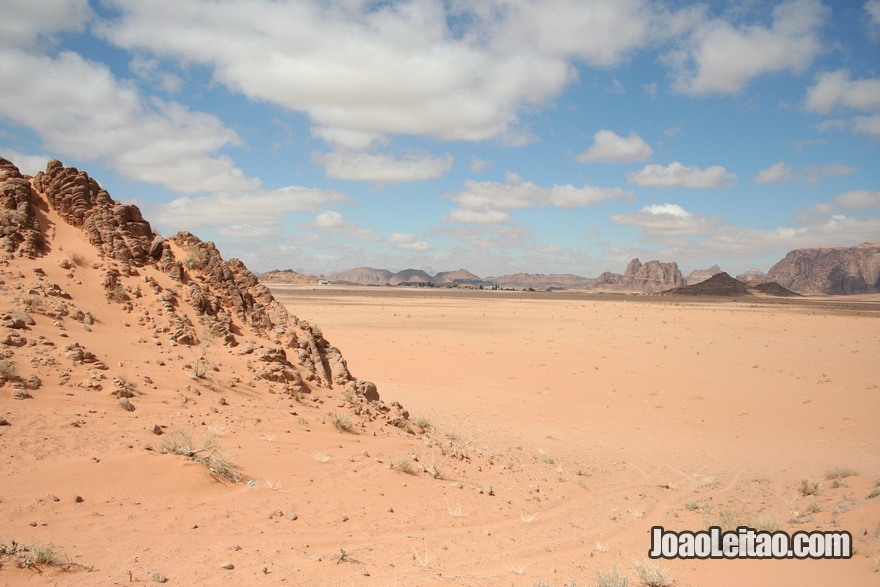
pixel 608 147
pixel 359 70
pixel 872 7
pixel 703 64
pixel 81 110
pixel 677 175
pixel 478 165
pixel 836 89
pixel 25 22
pixel 858 200
pixel 382 168
pixel 333 221
pixel 409 242
pixel 776 173
pixel 698 236
pixel 257 210
pixel 782 173
pixel 490 202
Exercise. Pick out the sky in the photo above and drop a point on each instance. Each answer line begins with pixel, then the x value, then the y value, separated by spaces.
pixel 499 136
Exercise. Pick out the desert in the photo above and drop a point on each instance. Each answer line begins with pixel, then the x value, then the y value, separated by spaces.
pixel 169 419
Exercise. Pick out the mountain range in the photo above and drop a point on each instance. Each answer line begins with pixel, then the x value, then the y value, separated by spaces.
pixel 809 271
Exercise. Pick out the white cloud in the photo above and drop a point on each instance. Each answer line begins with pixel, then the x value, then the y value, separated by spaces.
pixel 257 210
pixel 27 164
pixel 872 7
pixel 81 110
pixel 833 89
pixel 858 200
pixel 677 175
pixel 719 57
pixel 478 165
pixel 608 147
pixel 360 70
pixel 776 173
pixel 490 202
pixel 149 70
pixel 25 22
pixel 416 165
pixel 697 236
pixel 334 221
pixel 815 174
pixel 409 242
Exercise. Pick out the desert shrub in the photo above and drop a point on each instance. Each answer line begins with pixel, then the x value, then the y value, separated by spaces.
pixel 652 574
pixel 806 488
pixel 117 294
pixel 611 578
pixel 423 423
pixel 77 259
pixel 840 473
pixel 767 524
pixel 210 455
pixel 342 422
pixel 403 464
pixel 194 259
pixel 727 519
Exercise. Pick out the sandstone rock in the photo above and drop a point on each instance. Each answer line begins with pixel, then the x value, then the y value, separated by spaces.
pixel 126 404
pixel 698 275
pixel 651 276
pixel 830 270
pixel 753 275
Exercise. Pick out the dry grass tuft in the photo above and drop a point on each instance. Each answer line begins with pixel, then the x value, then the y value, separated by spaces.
pixel 651 574
pixel 209 455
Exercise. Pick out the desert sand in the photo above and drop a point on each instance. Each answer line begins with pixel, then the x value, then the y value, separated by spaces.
pixel 546 434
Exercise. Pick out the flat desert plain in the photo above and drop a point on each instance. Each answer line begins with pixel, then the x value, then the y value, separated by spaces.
pixel 602 416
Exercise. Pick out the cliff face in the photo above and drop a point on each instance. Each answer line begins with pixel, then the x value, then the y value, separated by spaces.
pixel 699 275
pixel 651 276
pixel 830 271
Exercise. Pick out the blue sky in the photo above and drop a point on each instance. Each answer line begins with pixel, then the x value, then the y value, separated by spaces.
pixel 501 136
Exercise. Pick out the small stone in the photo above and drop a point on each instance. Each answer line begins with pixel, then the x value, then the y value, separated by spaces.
pixel 4 422
pixel 54 497
pixel 234 548
pixel 158 578
pixel 32 523
pixel 485 489
pixel 126 405
pixel 227 565
pixel 78 499
pixel 343 517
pixel 290 516
pixel 157 430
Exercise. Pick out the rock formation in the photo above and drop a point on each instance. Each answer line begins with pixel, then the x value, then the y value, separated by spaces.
pixel 753 275
pixel 830 270
pixel 723 285
pixel 362 276
pixel 286 276
pixel 213 299
pixel 651 276
pixel 698 275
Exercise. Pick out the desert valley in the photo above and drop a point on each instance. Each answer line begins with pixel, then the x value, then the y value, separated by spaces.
pixel 166 418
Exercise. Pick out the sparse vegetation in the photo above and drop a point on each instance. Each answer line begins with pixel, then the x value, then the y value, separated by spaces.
pixel 726 519
pixel 117 294
pixel 840 473
pixel 30 556
pixel 402 464
pixel 519 570
pixel 77 259
pixel 806 488
pixel 342 422
pixel 767 524
pixel 432 465
pixel 693 506
pixel 651 574
pixel 455 512
pixel 874 493
pixel 209 455
pixel 423 559
pixel 611 578
pixel 349 396
pixel 708 481
pixel 193 260
pixel 422 423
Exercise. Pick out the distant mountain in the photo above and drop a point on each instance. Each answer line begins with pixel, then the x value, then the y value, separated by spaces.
pixel 542 282
pixel 410 276
pixel 462 276
pixel 362 276
pixel 830 270
pixel 753 275
pixel 698 275
pixel 286 276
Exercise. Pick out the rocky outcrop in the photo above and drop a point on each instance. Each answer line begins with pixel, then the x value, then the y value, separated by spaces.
pixel 698 275
pixel 411 276
pixel 723 285
pixel 18 225
pixel 460 277
pixel 213 294
pixel 753 275
pixel 118 231
pixel 830 270
pixel 651 276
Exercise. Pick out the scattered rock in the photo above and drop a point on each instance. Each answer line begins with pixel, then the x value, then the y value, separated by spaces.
pixel 126 404
pixel 227 565
pixel 290 516
pixel 158 578
pixel 485 489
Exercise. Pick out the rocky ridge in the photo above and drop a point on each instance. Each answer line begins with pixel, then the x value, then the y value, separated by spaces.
pixel 210 301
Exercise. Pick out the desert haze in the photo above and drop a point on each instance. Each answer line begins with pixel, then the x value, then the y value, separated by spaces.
pixel 164 419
